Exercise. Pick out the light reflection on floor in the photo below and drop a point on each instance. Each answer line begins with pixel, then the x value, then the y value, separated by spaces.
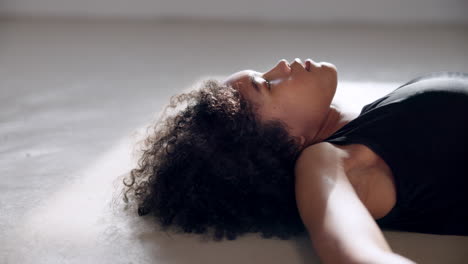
pixel 73 94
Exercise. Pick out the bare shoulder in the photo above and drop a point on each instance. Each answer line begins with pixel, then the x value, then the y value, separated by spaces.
pixel 324 155
pixel 322 146
pixel 322 160
pixel 337 221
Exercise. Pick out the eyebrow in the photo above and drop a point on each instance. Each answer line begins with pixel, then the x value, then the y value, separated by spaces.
pixel 252 82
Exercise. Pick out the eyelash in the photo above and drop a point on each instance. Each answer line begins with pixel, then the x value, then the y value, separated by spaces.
pixel 268 83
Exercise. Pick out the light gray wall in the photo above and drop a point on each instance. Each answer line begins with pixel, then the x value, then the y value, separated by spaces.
pixel 313 11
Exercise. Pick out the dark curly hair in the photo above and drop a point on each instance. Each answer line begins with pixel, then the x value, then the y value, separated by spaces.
pixel 216 165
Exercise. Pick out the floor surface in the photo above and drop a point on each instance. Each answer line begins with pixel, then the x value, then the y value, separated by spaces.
pixel 75 95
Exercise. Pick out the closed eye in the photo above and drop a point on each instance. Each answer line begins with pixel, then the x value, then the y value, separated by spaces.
pixel 254 82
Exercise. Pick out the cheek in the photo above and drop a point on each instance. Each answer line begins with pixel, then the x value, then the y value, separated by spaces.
pixel 329 81
pixel 294 108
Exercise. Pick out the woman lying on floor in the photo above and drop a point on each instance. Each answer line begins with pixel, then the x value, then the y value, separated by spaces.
pixel 269 152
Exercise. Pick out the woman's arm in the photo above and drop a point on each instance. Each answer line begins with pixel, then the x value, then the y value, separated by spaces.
pixel 340 227
pixel 391 258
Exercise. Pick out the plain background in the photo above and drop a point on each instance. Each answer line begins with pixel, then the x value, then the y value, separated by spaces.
pixel 80 80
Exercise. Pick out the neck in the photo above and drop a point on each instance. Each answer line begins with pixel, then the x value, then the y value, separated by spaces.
pixel 335 120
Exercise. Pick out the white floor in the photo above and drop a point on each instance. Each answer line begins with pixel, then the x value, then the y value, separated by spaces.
pixel 74 95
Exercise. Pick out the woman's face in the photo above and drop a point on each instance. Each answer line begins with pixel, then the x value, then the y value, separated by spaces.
pixel 299 94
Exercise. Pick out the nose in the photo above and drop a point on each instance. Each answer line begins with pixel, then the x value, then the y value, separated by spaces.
pixel 283 61
pixel 281 69
pixel 283 65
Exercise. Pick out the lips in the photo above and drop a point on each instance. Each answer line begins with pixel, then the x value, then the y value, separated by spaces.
pixel 309 64
pixel 298 61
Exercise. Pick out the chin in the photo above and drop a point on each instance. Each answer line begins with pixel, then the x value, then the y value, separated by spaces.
pixel 329 65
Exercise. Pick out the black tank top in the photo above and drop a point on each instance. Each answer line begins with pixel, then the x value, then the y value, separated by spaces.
pixel 421 131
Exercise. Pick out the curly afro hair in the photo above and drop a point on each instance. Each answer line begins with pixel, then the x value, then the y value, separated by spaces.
pixel 215 165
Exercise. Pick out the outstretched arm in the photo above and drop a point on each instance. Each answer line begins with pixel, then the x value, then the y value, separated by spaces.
pixel 340 227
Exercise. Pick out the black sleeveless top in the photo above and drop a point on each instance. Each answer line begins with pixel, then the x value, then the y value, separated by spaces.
pixel 421 131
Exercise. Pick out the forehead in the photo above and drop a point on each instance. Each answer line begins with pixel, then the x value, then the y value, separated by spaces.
pixel 241 82
pixel 239 79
